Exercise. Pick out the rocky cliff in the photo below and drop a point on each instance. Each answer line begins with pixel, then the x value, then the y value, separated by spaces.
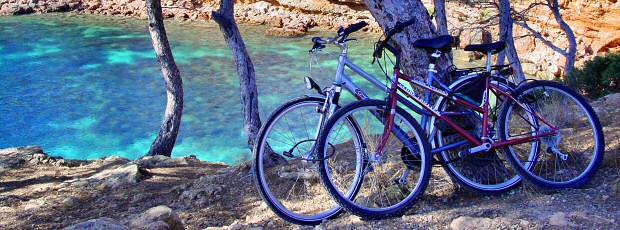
pixel 596 23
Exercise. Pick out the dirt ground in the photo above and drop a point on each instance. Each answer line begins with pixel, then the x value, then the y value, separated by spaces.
pixel 33 197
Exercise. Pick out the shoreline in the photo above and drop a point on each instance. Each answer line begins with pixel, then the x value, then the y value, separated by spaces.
pixel 596 24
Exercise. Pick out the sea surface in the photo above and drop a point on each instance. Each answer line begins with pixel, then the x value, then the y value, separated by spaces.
pixel 88 86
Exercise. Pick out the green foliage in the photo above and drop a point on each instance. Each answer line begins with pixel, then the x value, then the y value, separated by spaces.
pixel 598 77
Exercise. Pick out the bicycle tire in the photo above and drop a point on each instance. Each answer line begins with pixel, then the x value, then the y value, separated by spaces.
pixel 580 135
pixel 485 173
pixel 277 183
pixel 374 200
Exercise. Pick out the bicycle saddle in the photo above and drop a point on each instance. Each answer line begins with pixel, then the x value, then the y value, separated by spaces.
pixel 494 47
pixel 442 43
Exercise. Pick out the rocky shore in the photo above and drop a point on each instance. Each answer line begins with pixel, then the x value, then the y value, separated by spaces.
pixel 39 191
pixel 596 23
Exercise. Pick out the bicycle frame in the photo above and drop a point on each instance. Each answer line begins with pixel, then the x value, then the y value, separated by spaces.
pixel 484 143
pixel 343 81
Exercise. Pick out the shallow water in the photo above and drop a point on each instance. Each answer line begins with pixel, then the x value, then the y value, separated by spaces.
pixel 85 86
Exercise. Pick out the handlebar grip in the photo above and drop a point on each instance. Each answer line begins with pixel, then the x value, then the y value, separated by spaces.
pixel 353 28
pixel 316 39
pixel 399 27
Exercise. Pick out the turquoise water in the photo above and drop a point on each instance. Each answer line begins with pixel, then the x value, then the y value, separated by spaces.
pixel 85 87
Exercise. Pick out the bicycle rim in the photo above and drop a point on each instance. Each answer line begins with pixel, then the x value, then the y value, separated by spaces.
pixel 390 185
pixel 291 186
pixel 579 140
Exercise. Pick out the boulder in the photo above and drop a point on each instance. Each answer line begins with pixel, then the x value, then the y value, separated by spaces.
pixel 158 217
pixel 11 158
pixel 98 224
pixel 117 177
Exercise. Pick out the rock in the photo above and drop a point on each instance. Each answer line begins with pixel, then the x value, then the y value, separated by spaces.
pixel 5 209
pixel 70 201
pixel 154 161
pixel 11 158
pixel 114 160
pixel 11 163
pixel 286 32
pixel 235 226
pixel 160 213
pixel 101 223
pixel 466 222
pixel 35 204
pixel 559 219
pixel 157 225
pixel 116 178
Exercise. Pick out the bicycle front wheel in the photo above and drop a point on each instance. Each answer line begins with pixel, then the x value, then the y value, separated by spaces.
pixel 567 159
pixel 392 182
pixel 285 167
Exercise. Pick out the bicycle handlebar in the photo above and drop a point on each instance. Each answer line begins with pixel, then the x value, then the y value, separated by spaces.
pixel 342 34
pixel 381 44
pixel 352 28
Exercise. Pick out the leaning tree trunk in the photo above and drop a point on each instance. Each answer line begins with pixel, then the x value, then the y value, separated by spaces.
pixel 440 17
pixel 388 12
pixel 505 34
pixel 167 136
pixel 572 42
pixel 249 94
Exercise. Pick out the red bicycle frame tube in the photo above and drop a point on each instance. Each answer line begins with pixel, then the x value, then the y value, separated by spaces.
pixel 396 86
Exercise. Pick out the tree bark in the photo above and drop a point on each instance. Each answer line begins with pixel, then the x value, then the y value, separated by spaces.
pixel 505 34
pixel 167 136
pixel 249 94
pixel 440 17
pixel 414 61
pixel 572 42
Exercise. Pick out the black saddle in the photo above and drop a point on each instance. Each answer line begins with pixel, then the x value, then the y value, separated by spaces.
pixel 443 43
pixel 494 47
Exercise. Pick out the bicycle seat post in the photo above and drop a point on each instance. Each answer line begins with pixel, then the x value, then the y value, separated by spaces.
pixel 488 66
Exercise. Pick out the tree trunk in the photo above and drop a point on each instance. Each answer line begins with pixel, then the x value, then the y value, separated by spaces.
pixel 249 94
pixel 572 42
pixel 505 34
pixel 440 17
pixel 167 136
pixel 414 61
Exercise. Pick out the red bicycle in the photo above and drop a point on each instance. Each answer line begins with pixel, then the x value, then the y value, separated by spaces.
pixel 547 132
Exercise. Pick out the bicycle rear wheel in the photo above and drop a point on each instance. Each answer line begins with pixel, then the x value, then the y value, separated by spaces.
pixel 284 169
pixel 567 159
pixel 485 173
pixel 390 185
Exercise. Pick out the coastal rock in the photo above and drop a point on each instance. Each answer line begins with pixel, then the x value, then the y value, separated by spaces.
pixel 117 177
pixel 11 158
pixel 101 223
pixel 158 217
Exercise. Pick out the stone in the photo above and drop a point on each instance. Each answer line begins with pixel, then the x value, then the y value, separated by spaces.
pixel 559 219
pixel 70 201
pixel 235 226
pixel 155 214
pixel 157 225
pixel 153 161
pixel 98 224
pixel 34 204
pixel 466 222
pixel 117 177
